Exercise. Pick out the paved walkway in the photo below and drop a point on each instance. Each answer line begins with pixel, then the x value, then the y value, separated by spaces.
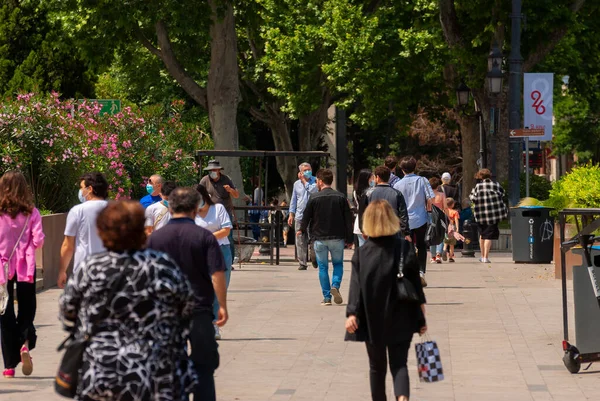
pixel 498 327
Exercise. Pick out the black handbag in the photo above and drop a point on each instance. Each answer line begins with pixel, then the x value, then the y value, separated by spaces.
pixel 67 377
pixel 406 289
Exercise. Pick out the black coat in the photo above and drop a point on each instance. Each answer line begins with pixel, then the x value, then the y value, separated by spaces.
pixel 382 318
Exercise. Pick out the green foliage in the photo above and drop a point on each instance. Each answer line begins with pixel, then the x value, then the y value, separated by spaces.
pixel 539 187
pixel 37 54
pixel 54 142
pixel 578 189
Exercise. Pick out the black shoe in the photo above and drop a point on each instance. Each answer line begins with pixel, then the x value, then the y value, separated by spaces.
pixel 315 264
pixel 302 267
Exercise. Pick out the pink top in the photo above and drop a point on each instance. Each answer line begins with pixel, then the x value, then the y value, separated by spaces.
pixel 23 260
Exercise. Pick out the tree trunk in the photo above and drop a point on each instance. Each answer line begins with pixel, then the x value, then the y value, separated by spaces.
pixel 223 92
pixel 469 130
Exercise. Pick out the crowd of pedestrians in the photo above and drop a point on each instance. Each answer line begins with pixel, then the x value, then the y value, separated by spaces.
pixel 150 277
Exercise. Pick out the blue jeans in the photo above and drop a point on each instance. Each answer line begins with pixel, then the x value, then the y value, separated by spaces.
pixel 435 249
pixel 226 251
pixel 322 250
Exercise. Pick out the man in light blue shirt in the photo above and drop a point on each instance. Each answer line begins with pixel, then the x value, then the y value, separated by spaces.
pixel 417 194
pixel 306 185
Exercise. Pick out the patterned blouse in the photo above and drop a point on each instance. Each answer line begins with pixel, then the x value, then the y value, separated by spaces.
pixel 139 350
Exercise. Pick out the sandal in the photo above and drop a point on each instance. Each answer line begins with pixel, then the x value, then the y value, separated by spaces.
pixel 26 361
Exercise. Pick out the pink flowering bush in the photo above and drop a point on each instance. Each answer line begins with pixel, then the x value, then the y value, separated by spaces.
pixel 55 141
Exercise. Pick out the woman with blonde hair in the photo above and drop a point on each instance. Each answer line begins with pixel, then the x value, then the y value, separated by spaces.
pixel 376 315
pixel 20 235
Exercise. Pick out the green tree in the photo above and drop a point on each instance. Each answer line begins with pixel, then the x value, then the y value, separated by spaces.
pixel 37 54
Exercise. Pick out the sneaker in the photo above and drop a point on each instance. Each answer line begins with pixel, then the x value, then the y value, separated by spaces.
pixel 423 281
pixel 432 260
pixel 438 259
pixel 9 373
pixel 26 361
pixel 337 297
pixel 484 260
pixel 217 332
pixel 315 264
pixel 302 267
pixel 326 302
pixel 451 260
pixel 445 256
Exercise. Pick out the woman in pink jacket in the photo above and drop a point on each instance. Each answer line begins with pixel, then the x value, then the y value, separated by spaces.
pixel 20 234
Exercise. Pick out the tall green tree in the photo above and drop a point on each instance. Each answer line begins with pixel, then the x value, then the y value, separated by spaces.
pixel 194 41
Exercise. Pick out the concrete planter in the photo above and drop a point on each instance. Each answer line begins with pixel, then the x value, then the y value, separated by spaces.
pixel 48 257
pixel 504 242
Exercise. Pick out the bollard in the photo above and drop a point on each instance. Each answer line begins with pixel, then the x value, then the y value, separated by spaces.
pixel 471 238
pixel 265 235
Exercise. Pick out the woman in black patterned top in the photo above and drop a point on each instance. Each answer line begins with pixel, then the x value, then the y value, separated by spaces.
pixel 139 349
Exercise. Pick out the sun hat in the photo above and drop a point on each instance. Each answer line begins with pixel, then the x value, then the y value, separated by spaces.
pixel 213 165
pixel 446 177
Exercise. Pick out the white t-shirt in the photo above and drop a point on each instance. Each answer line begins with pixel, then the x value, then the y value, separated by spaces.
pixel 81 224
pixel 157 215
pixel 216 219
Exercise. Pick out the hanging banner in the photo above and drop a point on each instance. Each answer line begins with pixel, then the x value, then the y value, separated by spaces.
pixel 537 97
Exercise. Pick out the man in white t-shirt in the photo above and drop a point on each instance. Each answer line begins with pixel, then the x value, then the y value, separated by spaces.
pixel 157 214
pixel 81 234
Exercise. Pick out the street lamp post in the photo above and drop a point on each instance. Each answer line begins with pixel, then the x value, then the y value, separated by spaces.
pixel 462 96
pixel 494 78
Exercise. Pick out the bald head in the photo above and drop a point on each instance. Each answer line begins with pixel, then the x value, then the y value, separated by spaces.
pixel 156 181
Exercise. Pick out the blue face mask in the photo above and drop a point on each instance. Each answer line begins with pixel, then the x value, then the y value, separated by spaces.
pixel 80 196
pixel 371 183
pixel 166 203
pixel 202 204
pixel 307 174
pixel 149 188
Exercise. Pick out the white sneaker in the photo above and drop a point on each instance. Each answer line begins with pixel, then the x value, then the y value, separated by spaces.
pixel 423 281
pixel 217 332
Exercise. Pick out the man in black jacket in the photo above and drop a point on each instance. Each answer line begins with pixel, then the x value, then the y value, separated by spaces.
pixel 395 198
pixel 328 219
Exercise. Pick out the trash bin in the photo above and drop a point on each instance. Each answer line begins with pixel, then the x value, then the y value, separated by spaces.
pixel 587 311
pixel 532 230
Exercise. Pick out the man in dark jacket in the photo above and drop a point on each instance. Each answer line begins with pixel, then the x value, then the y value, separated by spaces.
pixel 383 191
pixel 328 219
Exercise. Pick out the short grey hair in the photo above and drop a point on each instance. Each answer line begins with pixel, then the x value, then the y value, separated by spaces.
pixel 304 164
pixel 184 200
pixel 158 179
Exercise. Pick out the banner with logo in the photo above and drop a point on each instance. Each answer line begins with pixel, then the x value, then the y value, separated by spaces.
pixel 537 97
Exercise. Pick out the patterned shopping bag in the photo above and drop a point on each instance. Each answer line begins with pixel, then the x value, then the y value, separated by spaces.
pixel 429 362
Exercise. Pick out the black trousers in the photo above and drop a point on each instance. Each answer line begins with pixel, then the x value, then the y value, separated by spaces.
pixel 418 235
pixel 398 355
pixel 205 355
pixel 16 329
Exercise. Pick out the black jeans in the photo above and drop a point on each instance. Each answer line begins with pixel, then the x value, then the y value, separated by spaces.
pixel 16 329
pixel 205 355
pixel 418 235
pixel 398 354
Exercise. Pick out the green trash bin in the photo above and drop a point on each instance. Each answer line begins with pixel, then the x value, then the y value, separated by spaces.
pixel 532 230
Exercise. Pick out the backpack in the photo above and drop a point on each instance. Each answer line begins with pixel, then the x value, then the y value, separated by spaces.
pixel 437 229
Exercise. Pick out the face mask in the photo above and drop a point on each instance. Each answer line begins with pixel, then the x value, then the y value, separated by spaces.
pixel 371 183
pixel 80 196
pixel 202 204
pixel 149 188
pixel 307 174
pixel 166 203
pixel 213 175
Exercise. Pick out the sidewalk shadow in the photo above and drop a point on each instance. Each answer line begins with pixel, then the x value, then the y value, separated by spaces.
pixel 258 339
pixel 456 288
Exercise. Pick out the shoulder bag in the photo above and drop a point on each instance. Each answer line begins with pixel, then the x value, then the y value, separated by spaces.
pixel 4 296
pixel 406 289
pixel 67 377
